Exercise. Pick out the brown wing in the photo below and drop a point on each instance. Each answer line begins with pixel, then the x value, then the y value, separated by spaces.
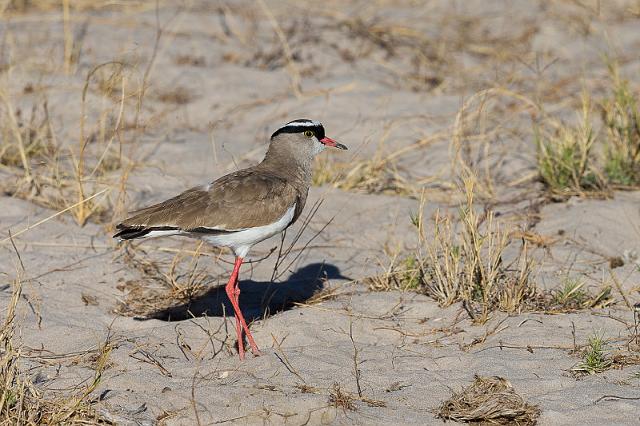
pixel 246 198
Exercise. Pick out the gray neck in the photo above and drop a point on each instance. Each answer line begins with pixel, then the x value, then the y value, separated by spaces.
pixel 294 164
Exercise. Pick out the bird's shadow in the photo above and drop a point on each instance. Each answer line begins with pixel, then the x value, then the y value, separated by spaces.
pixel 257 299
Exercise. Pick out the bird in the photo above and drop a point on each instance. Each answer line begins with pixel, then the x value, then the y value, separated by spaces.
pixel 241 208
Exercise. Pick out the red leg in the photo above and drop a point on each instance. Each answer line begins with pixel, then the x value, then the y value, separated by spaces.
pixel 230 289
pixel 233 292
pixel 252 343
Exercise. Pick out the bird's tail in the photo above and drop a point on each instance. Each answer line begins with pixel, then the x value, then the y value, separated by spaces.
pixel 127 232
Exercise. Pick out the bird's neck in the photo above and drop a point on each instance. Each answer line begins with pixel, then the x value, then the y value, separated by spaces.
pixel 297 167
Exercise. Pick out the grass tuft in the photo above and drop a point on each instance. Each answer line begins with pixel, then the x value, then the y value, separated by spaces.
pixel 621 116
pixel 565 157
pixel 28 139
pixel 575 160
pixel 488 400
pixel 594 358
pixel 176 95
pixel 406 274
pixel 58 175
pixel 340 399
pixel 22 402
pixel 466 265
pixel 572 296
pixel 162 286
pixel 375 176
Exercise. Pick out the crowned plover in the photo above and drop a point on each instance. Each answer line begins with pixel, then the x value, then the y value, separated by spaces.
pixel 242 208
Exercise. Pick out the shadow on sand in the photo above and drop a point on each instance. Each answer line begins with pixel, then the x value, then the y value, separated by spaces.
pixel 257 299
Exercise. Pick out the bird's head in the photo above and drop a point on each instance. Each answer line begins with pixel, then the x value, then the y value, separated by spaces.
pixel 305 136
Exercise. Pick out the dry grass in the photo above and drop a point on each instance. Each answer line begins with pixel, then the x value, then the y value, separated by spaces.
pixel 621 117
pixel 481 125
pixel 599 354
pixel 30 136
pixel 48 165
pixel 374 176
pixel 470 267
pixel 321 295
pixel 379 174
pixel 471 258
pixel 30 6
pixel 22 402
pixel 405 54
pixel 412 58
pixel 387 41
pixel 449 274
pixel 625 359
pixel 565 158
pixel 572 296
pixel 162 286
pixel 582 160
pixel 176 95
pixel 58 175
pixel 462 259
pixel 190 60
pixel 405 274
pixel 340 399
pixel 489 400
pixel 466 266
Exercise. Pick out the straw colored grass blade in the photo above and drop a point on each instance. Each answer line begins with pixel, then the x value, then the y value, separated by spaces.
pixel 489 400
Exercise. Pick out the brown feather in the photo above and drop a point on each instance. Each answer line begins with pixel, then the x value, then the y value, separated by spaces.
pixel 247 198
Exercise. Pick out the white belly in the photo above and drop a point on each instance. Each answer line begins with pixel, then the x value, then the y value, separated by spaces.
pixel 241 241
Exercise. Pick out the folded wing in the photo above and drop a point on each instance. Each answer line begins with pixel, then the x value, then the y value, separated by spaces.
pixel 237 201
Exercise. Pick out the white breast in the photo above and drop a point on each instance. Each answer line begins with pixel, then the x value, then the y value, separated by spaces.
pixel 241 241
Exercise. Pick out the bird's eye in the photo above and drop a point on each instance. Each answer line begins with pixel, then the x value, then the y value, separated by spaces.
pixel 308 133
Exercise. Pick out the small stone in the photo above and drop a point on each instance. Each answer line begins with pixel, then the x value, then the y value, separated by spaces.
pixel 615 262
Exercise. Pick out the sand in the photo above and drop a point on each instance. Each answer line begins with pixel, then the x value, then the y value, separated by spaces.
pixel 219 84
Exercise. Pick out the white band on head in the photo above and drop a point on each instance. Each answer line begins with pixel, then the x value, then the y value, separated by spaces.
pixel 302 124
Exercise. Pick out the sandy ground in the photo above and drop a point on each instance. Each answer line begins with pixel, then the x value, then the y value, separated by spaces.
pixel 219 84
